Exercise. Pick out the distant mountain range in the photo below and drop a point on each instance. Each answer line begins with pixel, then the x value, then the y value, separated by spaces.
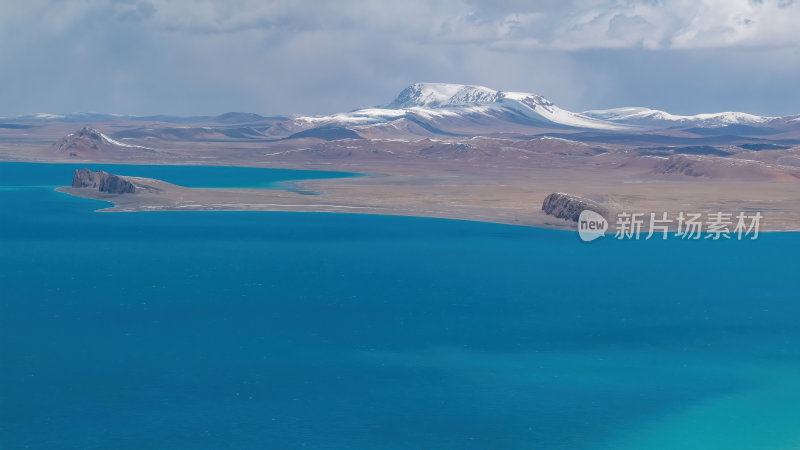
pixel 231 117
pixel 431 109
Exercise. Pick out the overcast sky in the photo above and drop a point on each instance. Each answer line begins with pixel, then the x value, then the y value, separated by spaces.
pixel 206 57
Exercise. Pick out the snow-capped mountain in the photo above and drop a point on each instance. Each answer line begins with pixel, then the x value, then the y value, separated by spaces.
pixel 439 95
pixel 442 108
pixel 459 109
pixel 653 118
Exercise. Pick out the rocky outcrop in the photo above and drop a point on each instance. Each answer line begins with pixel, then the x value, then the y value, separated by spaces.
pixel 678 164
pixel 90 143
pixel 84 142
pixel 569 207
pixel 102 181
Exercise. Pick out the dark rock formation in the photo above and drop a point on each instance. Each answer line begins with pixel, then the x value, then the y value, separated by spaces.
pixel 569 207
pixel 102 181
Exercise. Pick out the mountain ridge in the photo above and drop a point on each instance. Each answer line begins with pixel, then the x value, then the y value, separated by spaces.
pixel 431 109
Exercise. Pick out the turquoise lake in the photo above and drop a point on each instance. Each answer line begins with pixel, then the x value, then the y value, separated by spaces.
pixel 214 330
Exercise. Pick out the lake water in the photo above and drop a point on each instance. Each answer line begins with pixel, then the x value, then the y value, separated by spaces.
pixel 308 330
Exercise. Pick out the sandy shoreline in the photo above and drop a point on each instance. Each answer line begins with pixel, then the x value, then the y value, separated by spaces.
pixel 477 197
pixel 496 188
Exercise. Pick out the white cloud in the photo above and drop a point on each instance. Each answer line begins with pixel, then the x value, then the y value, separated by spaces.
pixel 677 24
pixel 551 25
pixel 203 56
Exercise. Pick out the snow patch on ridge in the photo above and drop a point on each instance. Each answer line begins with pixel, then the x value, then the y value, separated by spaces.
pixel 647 116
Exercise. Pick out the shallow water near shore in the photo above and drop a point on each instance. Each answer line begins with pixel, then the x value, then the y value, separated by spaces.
pixel 286 330
pixel 26 174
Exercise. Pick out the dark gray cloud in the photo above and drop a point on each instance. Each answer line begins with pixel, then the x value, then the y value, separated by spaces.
pixel 202 57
